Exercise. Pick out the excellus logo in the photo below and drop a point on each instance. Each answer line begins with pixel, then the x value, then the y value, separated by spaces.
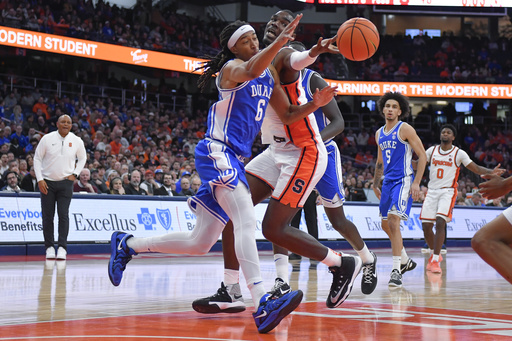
pixel 112 222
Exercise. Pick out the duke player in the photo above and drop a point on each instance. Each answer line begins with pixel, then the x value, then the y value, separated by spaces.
pixel 445 160
pixel 396 141
pixel 288 170
pixel 246 86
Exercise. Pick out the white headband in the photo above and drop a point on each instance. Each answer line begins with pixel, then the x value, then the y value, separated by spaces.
pixel 238 33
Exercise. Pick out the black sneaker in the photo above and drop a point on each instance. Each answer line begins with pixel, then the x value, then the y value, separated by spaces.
pixel 280 288
pixel 410 265
pixel 396 279
pixel 294 256
pixel 343 279
pixel 369 279
pixel 227 300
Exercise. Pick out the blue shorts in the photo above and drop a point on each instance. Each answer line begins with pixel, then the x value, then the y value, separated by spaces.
pixel 396 197
pixel 217 165
pixel 330 186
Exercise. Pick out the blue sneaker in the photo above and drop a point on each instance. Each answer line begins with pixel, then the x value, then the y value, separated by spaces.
pixel 272 310
pixel 120 255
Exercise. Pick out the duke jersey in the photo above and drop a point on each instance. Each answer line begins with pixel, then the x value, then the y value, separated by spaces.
pixel 445 166
pixel 235 120
pixel 321 119
pixel 396 153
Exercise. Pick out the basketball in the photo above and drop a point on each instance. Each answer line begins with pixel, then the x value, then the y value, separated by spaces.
pixel 358 39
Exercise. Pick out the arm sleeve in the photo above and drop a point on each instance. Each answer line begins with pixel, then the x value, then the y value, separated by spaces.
pixel 300 60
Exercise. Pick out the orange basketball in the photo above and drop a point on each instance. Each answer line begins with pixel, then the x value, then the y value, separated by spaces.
pixel 358 39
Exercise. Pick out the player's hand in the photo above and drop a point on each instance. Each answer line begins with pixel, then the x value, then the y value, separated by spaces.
pixel 324 96
pixel 498 171
pixel 494 188
pixel 324 46
pixel 43 187
pixel 415 191
pixel 288 33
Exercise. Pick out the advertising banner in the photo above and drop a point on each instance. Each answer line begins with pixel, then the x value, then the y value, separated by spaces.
pixel 93 218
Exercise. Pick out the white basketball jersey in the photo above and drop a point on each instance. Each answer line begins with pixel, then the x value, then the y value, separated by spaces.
pixel 445 166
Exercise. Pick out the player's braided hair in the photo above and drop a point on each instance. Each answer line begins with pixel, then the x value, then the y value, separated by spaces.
pixel 215 63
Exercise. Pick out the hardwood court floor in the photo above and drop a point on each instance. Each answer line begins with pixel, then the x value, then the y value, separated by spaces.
pixel 74 300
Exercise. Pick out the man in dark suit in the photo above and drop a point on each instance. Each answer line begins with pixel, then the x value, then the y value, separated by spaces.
pixel 168 186
pixel 29 182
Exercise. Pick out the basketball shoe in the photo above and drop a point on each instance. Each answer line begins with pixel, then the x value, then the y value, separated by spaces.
pixel 369 279
pixel 429 265
pixel 343 279
pixel 272 310
pixel 120 255
pixel 396 279
pixel 228 299
pixel 425 249
pixel 408 266
pixel 280 288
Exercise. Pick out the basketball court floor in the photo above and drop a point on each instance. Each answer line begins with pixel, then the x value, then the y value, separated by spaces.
pixel 74 300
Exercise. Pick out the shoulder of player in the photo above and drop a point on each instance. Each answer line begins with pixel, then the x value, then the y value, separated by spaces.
pixel 316 81
pixel 407 131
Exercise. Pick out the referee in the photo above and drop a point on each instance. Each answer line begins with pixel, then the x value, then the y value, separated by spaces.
pixel 59 157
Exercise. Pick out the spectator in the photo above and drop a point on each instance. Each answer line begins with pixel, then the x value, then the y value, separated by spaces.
pixel 116 186
pixel 29 182
pixel 12 180
pixel 195 183
pixel 96 180
pixel 83 184
pixel 133 188
pixel 4 163
pixel 184 175
pixel 159 175
pixel 185 187
pixel 41 105
pixel 474 200
pixel 149 184
pixel 168 186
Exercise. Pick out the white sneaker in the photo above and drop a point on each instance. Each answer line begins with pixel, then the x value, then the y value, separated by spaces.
pixel 50 253
pixel 61 253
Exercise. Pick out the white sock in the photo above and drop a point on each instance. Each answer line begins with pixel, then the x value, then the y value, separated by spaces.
pixel 281 263
pixel 396 263
pixel 435 258
pixel 365 255
pixel 333 258
pixel 231 277
pixel 405 258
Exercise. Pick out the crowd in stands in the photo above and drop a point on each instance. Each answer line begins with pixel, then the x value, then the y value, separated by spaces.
pixel 149 149
pixel 449 58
